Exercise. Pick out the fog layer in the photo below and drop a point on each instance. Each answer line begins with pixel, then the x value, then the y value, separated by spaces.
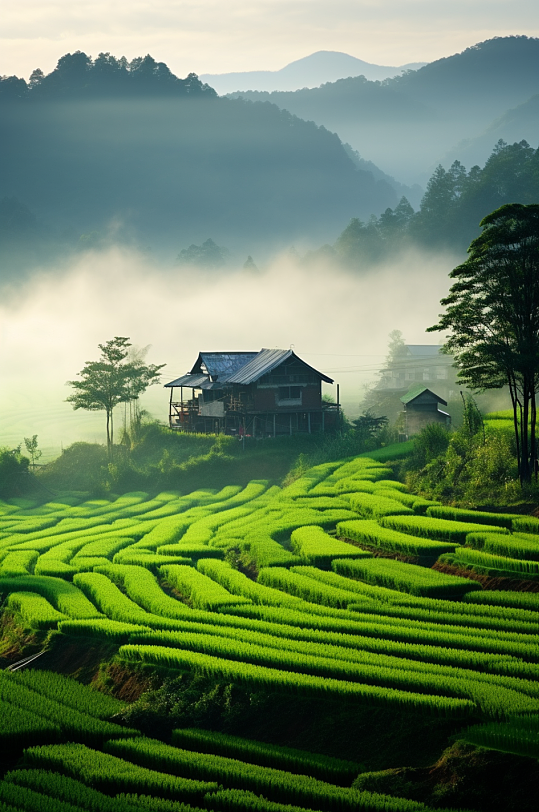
pixel 337 322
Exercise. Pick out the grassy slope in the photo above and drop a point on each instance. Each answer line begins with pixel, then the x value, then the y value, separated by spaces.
pixel 377 738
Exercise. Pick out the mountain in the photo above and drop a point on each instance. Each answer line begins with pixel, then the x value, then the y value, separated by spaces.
pixel 111 150
pixel 311 71
pixel 519 124
pixel 412 193
pixel 408 123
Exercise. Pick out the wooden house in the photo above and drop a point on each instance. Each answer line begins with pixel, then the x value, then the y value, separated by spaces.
pixel 258 394
pixel 421 407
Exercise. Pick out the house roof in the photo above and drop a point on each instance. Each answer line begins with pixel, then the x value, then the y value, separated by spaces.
pixel 236 367
pixel 265 361
pixel 418 390
pixel 195 381
pixel 221 364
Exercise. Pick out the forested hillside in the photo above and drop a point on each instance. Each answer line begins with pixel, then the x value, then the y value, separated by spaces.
pixel 455 202
pixel 407 123
pixel 108 146
pixel 521 122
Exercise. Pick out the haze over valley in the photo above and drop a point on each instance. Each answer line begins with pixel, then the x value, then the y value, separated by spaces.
pixel 408 124
pixel 124 185
pixel 53 324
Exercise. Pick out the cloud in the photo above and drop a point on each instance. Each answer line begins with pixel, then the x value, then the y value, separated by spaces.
pixel 209 36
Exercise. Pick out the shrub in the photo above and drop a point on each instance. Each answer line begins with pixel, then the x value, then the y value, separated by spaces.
pixel 13 471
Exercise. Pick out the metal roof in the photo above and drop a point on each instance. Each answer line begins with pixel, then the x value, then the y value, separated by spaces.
pixel 418 390
pixel 222 364
pixel 236 367
pixel 265 361
pixel 195 381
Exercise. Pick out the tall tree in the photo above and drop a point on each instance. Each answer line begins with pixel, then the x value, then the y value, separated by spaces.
pixel 492 312
pixel 113 379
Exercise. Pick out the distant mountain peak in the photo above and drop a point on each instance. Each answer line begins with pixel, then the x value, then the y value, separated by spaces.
pixel 308 71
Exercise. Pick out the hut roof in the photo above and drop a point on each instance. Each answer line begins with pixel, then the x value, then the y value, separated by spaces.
pixel 418 390
pixel 265 361
pixel 195 381
pixel 222 364
pixel 236 367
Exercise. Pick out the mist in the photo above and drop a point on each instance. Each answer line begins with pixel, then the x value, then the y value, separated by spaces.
pixel 171 171
pixel 336 321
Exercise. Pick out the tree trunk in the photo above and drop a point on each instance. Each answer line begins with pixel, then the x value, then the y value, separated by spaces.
pixel 109 433
pixel 111 450
pixel 515 403
pixel 524 432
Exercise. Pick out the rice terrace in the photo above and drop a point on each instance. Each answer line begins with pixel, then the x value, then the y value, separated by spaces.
pixel 174 625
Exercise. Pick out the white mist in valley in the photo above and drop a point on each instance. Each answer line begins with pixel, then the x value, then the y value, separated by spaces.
pixel 337 321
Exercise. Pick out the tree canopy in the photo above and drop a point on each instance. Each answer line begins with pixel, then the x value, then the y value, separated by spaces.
pixel 77 75
pixel 492 313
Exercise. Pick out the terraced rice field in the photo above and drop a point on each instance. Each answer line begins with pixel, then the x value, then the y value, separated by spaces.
pixel 336 598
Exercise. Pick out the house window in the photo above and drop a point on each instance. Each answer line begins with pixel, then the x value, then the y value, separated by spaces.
pixel 290 393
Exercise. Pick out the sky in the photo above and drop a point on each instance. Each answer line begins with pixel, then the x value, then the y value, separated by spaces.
pixel 214 36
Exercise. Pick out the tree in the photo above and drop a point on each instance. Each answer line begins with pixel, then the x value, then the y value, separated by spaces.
pixel 207 255
pixel 368 427
pixel 492 312
pixel 114 379
pixel 381 398
pixel 396 348
pixel 32 448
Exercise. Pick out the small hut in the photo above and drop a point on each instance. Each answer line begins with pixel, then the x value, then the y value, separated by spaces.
pixel 257 394
pixel 421 407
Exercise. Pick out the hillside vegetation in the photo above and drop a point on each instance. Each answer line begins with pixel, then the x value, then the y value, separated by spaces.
pixel 314 619
pixel 163 162
pixel 448 218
